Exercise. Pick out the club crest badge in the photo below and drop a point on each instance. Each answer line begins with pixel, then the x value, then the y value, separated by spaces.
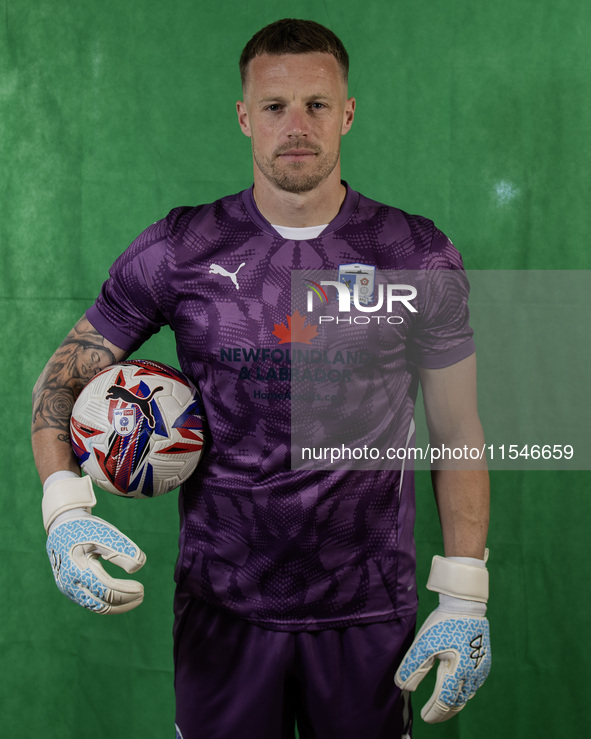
pixel 362 276
pixel 124 421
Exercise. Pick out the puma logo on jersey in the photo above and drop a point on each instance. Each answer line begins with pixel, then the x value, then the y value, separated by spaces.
pixel 217 270
pixel 116 392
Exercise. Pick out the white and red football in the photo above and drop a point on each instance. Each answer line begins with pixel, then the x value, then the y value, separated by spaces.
pixel 137 428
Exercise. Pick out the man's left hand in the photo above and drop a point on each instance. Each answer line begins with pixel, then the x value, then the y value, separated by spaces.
pixel 457 635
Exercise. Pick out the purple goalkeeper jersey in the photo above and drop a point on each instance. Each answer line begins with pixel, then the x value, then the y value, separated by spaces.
pixel 282 546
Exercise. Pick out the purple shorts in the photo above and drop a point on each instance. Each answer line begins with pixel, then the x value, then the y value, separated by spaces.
pixel 235 680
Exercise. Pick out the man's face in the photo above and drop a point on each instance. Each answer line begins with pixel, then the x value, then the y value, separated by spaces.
pixel 295 111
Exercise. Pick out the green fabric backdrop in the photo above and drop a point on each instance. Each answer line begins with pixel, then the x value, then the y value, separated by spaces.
pixel 476 115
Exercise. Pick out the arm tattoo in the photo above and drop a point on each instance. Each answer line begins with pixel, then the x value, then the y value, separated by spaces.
pixel 76 361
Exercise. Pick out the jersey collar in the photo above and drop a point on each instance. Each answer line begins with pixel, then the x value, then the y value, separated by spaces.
pixel 348 207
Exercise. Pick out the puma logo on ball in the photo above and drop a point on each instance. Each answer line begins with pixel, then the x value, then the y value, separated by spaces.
pixel 116 392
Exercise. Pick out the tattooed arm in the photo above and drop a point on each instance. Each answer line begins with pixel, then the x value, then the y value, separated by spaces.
pixel 77 360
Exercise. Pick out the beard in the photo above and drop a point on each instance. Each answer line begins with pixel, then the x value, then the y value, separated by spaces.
pixel 296 177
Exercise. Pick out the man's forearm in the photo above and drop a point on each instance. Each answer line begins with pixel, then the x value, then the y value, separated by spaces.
pixel 52 452
pixel 463 502
pixel 50 431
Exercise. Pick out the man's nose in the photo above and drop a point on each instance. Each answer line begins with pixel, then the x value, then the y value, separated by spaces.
pixel 297 124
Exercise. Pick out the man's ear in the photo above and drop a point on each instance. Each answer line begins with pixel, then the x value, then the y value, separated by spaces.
pixel 348 116
pixel 243 118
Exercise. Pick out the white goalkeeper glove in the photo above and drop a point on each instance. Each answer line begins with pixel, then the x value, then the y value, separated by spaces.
pixel 77 539
pixel 457 634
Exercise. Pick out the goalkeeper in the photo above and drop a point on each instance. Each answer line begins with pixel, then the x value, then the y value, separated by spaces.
pixel 296 597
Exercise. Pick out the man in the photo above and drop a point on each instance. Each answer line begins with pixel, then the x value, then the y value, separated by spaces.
pixel 295 587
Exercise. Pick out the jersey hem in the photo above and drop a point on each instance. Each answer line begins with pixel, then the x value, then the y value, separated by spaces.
pixel 317 624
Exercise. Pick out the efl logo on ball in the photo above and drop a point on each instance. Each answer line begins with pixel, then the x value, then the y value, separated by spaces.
pixel 124 421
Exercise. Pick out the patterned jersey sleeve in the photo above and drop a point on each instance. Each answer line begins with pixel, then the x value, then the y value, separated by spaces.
pixel 131 305
pixel 442 334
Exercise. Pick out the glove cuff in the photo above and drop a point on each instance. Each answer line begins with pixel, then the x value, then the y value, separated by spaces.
pixel 464 581
pixel 65 495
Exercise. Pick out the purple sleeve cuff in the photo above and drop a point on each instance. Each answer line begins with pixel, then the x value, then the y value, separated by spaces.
pixel 447 358
pixel 112 333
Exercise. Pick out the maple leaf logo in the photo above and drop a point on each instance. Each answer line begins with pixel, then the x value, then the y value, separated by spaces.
pixel 296 330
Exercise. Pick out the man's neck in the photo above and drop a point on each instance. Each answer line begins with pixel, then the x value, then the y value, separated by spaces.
pixel 298 210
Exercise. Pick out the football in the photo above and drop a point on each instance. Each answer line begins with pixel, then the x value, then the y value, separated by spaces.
pixel 137 428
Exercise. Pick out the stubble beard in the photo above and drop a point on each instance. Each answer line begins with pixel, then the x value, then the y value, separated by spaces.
pixel 296 177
